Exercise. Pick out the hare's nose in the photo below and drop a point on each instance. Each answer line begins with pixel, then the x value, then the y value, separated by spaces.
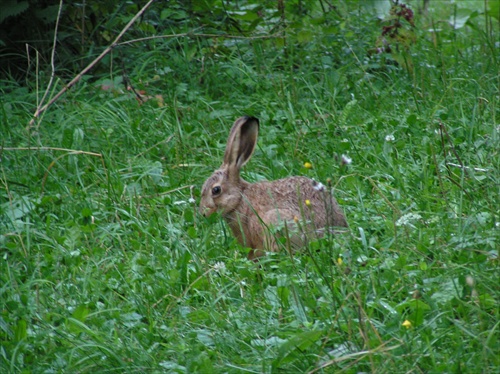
pixel 206 211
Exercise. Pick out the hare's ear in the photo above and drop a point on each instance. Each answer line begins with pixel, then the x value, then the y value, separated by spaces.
pixel 241 142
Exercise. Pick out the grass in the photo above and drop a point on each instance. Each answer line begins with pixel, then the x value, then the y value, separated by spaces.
pixel 107 267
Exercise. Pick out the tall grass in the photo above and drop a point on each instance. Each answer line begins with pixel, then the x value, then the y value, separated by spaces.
pixel 107 267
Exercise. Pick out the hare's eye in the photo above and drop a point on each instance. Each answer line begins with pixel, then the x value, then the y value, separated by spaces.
pixel 216 190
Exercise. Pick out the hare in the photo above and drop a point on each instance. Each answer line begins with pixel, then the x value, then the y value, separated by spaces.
pixel 299 206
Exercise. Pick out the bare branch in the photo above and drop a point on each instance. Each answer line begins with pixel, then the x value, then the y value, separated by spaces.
pixel 91 65
pixel 52 57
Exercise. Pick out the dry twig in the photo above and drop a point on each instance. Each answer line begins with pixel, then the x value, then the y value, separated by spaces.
pixel 43 108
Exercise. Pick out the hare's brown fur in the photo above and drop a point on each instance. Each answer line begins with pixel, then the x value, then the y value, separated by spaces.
pixel 301 206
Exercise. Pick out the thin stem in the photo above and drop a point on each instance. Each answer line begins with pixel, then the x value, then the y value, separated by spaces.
pixel 91 65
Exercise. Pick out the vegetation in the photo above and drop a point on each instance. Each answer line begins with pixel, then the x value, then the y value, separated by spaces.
pixel 105 265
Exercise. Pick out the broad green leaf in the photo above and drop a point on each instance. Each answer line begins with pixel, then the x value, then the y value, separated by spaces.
pixel 494 8
pixel 21 330
pixel 296 344
pixel 81 313
pixel 12 8
pixel 447 291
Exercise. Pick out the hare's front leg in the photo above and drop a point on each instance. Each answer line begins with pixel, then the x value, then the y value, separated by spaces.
pixel 275 230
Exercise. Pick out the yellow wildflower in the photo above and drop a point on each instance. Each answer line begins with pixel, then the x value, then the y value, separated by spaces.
pixel 308 165
pixel 406 324
pixel 340 261
pixel 308 202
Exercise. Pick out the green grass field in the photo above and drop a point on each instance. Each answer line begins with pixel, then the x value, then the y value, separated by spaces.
pixel 107 267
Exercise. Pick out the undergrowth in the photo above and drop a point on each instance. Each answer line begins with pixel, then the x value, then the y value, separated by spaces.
pixel 107 266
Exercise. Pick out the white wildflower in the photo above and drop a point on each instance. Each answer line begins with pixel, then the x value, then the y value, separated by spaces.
pixel 182 202
pixel 318 186
pixel 469 279
pixel 220 267
pixel 389 138
pixel 346 160
pixel 406 220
